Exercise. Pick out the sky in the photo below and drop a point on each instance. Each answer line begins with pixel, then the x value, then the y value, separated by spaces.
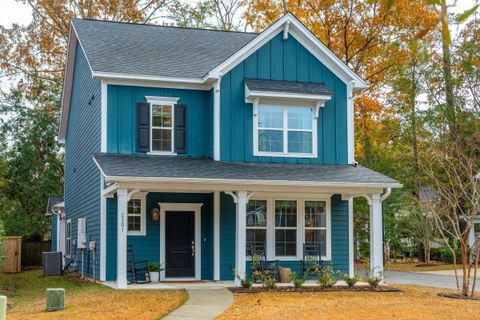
pixel 14 12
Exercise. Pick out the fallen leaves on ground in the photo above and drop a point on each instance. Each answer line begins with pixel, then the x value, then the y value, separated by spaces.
pixel 414 302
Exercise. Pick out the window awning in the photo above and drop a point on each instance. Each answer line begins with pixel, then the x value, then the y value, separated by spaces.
pixel 314 93
pixel 286 89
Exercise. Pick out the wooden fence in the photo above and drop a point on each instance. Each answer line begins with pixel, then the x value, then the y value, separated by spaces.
pixel 32 252
pixel 13 255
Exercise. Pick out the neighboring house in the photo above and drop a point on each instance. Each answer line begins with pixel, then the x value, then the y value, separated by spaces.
pixel 233 140
pixel 55 212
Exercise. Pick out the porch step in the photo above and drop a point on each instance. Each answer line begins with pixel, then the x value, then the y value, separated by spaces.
pixel 203 304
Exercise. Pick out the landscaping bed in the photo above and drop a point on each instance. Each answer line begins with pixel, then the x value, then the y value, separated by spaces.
pixel 313 289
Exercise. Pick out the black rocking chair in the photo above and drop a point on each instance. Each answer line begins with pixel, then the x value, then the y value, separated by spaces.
pixel 312 263
pixel 137 271
pixel 264 264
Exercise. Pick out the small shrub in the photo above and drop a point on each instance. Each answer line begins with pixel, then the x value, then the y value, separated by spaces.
pixel 326 278
pixel 246 283
pixel 373 282
pixel 351 282
pixel 153 267
pixel 269 283
pixel 297 281
pixel 268 280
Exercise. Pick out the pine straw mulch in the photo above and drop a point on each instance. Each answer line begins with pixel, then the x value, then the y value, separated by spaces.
pixel 313 289
pixel 105 304
pixel 413 302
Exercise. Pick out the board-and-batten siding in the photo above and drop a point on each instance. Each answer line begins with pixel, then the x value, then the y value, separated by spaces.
pixel 121 118
pixel 148 247
pixel 339 238
pixel 82 177
pixel 281 60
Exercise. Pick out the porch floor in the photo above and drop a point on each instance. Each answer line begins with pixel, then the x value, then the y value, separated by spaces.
pixel 209 285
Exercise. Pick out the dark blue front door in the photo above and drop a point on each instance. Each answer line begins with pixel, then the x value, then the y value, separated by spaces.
pixel 180 244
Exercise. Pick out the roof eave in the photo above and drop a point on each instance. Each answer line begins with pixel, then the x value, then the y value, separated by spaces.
pixel 250 182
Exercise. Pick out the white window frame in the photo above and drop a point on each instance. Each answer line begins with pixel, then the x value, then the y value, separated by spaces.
pixel 259 227
pixel 285 105
pixel 162 101
pixel 143 215
pixel 68 240
pixel 270 198
pixel 275 228
pixel 327 227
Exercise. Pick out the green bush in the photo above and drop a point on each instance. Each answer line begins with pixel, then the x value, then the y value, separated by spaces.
pixel 351 281
pixel 153 267
pixel 246 283
pixel 297 281
pixel 447 256
pixel 326 278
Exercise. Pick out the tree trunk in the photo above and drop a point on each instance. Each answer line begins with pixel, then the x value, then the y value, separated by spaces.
pixel 450 110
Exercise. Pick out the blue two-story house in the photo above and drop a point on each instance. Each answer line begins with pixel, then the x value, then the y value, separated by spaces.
pixel 197 147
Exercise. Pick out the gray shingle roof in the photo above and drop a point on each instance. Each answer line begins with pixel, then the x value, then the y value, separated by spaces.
pixel 152 50
pixel 117 165
pixel 288 86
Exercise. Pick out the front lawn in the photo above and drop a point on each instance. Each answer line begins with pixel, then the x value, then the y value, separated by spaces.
pixel 413 303
pixel 26 299
pixel 419 266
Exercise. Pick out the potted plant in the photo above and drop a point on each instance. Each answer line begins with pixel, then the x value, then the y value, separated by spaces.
pixel 154 269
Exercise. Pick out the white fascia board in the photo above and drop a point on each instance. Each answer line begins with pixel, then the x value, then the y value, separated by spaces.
pixel 249 48
pixel 310 41
pixel 247 182
pixel 324 54
pixel 160 84
pixel 127 76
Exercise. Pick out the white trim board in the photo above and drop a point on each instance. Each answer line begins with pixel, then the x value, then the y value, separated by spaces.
pixel 194 207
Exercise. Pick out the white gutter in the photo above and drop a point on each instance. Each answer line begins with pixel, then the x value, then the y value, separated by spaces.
pixel 386 194
pixel 250 182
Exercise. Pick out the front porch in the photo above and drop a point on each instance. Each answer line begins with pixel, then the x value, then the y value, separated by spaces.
pixel 207 225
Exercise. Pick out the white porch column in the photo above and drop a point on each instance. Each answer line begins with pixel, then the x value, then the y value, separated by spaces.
pixel 240 265
pixel 122 199
pixel 216 236
pixel 376 236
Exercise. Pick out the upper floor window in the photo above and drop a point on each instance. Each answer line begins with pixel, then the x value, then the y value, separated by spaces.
pixel 285 131
pixel 162 125
pixel 162 128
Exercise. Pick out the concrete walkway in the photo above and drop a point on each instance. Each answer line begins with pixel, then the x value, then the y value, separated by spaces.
pixel 203 304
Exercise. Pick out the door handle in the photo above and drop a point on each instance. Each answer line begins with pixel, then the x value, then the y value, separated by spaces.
pixel 193 248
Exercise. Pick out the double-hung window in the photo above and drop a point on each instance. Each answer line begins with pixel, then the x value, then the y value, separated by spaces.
pixel 256 227
pixel 162 127
pixel 285 228
pixel 316 226
pixel 136 216
pixel 68 238
pixel 285 131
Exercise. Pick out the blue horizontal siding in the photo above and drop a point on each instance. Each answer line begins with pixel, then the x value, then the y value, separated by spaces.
pixel 82 177
pixel 54 232
pixel 288 60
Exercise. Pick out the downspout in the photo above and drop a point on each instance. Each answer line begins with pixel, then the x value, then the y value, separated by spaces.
pixel 216 118
pixel 384 196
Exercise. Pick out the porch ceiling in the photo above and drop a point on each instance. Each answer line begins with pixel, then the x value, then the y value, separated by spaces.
pixel 188 170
